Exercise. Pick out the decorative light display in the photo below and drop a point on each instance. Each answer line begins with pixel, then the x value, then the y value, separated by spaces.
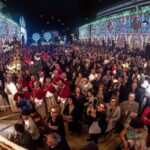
pixel 47 36
pixel 127 23
pixel 9 28
pixel 36 37
pixel 128 13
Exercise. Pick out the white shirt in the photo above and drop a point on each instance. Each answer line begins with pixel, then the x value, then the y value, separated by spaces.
pixel 31 127
pixel 11 87
pixel 92 77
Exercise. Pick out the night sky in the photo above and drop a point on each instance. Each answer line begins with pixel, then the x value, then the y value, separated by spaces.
pixel 62 15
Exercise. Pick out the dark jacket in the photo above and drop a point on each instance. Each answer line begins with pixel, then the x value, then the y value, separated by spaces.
pixel 25 140
pixel 63 145
pixel 58 122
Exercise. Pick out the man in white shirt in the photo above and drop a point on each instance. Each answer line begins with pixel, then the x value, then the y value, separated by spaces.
pixel 11 90
pixel 30 126
pixel 93 75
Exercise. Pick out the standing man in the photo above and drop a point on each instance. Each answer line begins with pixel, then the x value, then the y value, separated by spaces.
pixel 38 96
pixel 11 90
pixel 129 109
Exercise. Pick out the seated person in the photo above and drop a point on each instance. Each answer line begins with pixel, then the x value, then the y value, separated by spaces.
pixel 134 135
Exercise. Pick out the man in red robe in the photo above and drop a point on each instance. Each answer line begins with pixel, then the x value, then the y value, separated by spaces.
pixel 38 96
pixel 49 90
pixel 63 93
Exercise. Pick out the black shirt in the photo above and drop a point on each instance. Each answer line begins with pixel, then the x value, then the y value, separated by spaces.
pixel 58 122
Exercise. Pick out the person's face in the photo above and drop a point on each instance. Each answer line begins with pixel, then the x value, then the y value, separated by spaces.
pixel 27 72
pixel 80 75
pixel 120 80
pixel 36 85
pixel 53 113
pixel 101 108
pixel 8 80
pixel 74 74
pixel 60 83
pixel 41 74
pixel 32 114
pixel 63 76
pixel 93 71
pixel 108 72
pixel 32 78
pixel 99 76
pixel 77 90
pixel 19 98
pixel 67 69
pixel 101 88
pixel 89 94
pixel 70 101
pixel 134 86
pixel 131 97
pixel 51 141
pixel 113 102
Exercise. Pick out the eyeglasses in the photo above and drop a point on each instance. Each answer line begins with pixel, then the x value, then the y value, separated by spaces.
pixel 113 101
pixel 131 96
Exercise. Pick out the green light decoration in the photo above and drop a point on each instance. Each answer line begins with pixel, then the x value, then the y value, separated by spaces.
pixel 118 15
pixel 5 17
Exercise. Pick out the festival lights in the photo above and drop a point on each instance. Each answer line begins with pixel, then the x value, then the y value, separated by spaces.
pixel 47 36
pixel 127 13
pixel 36 37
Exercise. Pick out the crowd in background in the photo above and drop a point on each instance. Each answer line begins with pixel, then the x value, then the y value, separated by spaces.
pixel 107 89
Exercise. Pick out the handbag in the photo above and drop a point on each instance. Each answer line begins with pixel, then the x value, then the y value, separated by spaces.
pixel 95 128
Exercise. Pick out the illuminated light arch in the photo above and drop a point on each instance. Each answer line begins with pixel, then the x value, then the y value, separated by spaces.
pixel 120 40
pixel 109 39
pixel 47 36
pixel 136 41
pixel 36 37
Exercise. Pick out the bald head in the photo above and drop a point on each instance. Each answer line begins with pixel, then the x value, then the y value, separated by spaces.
pixel 53 140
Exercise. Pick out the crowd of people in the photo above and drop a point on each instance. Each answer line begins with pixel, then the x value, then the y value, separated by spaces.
pixel 107 89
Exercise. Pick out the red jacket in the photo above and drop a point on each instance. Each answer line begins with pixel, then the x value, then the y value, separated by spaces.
pixel 38 93
pixel 144 115
pixel 56 79
pixel 64 92
pixel 49 88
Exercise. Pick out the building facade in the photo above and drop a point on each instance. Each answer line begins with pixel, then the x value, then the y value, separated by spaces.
pixel 124 25
pixel 9 28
